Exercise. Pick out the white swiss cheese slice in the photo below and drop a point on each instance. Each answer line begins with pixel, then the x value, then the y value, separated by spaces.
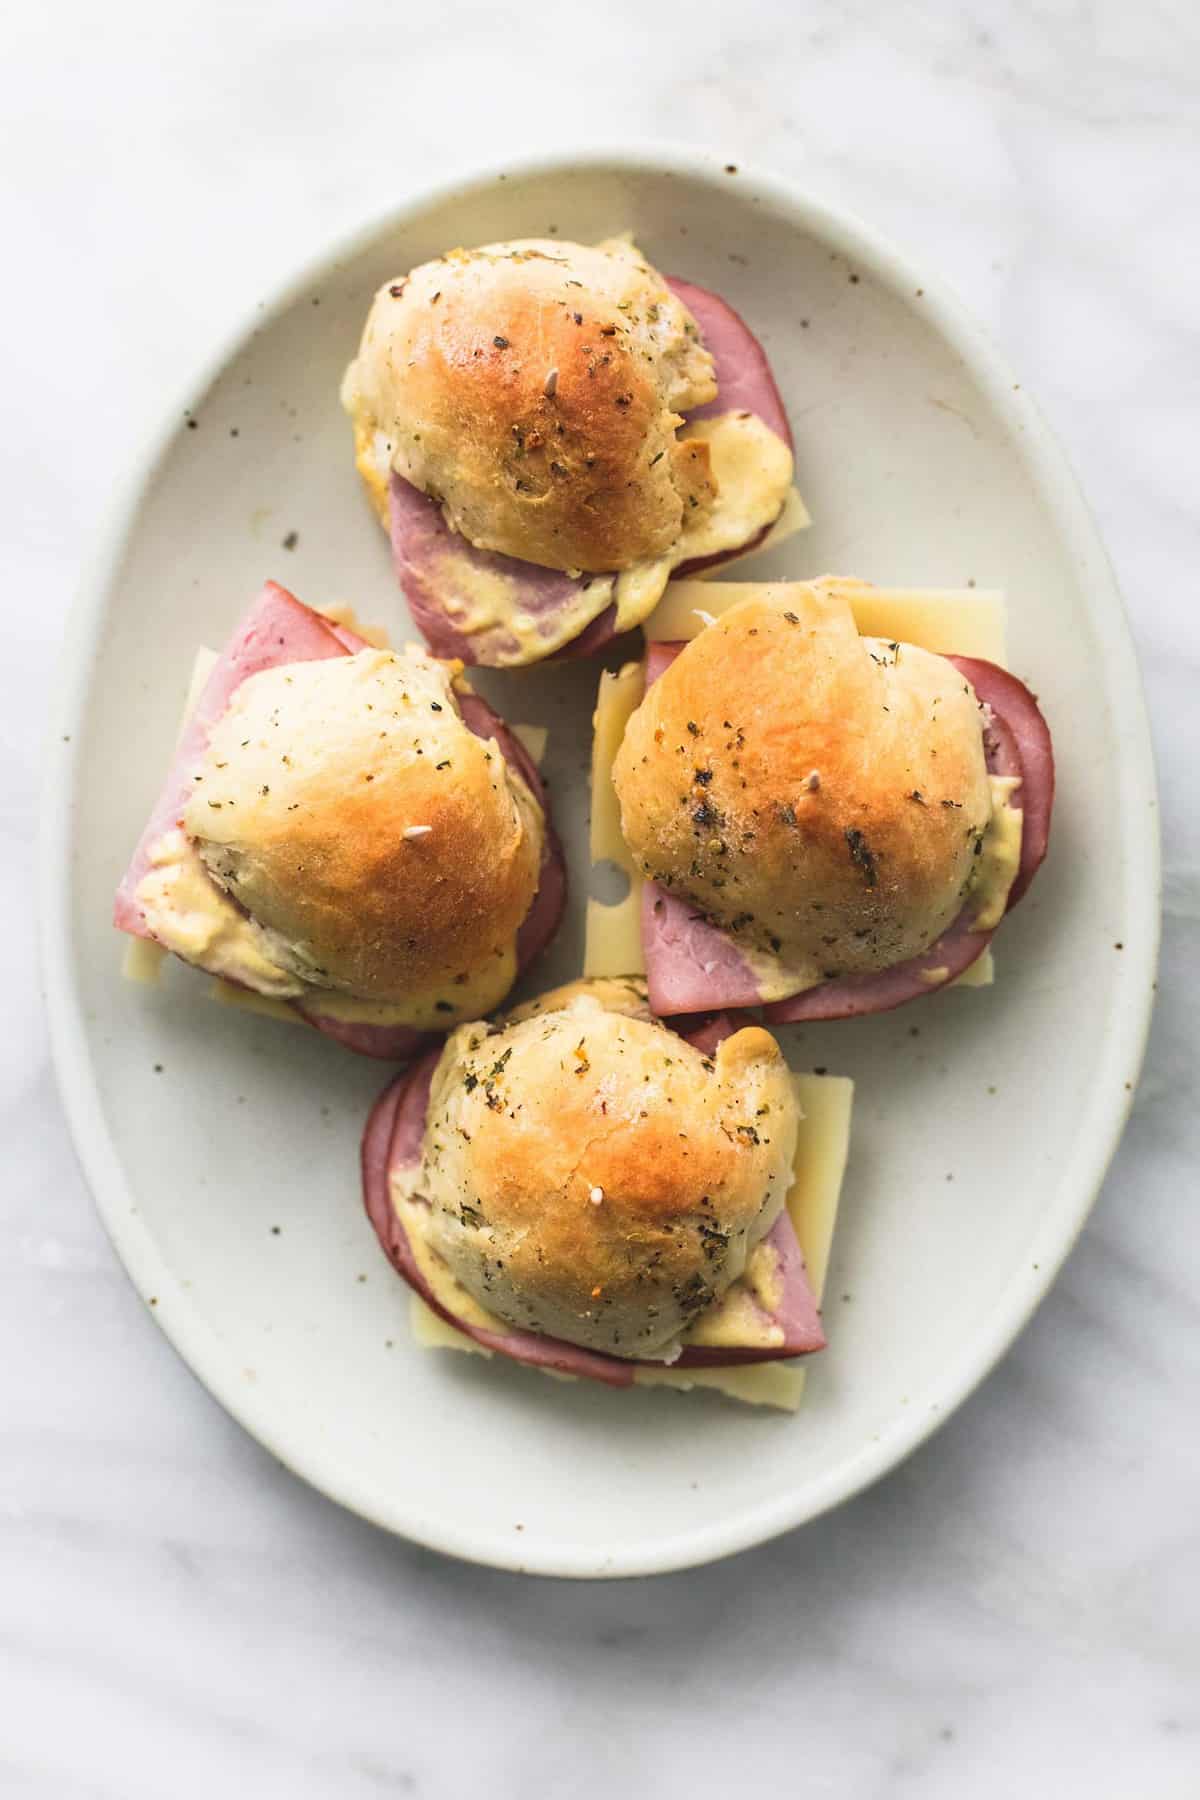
pixel 948 621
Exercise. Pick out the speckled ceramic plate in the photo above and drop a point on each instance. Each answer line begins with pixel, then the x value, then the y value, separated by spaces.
pixel 222 1149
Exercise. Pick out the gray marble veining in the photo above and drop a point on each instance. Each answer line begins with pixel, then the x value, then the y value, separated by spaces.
pixel 1016 1609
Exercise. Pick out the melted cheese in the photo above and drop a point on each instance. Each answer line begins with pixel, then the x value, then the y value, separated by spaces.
pixel 481 993
pixel 1000 857
pixel 966 622
pixel 372 453
pixel 340 612
pixel 794 518
pixel 483 601
pixel 752 467
pixel 743 1316
pixel 189 914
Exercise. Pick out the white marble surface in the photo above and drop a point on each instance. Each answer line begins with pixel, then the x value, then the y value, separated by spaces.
pixel 1017 1609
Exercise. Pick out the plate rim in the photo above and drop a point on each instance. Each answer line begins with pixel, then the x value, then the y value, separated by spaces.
pixel 282 1432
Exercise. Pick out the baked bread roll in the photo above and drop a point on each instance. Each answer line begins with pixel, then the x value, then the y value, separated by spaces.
pixel 820 796
pixel 535 389
pixel 595 1178
pixel 358 839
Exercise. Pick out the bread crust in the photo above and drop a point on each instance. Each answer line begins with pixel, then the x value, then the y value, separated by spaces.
pixel 594 1177
pixel 818 794
pixel 535 388
pixel 388 853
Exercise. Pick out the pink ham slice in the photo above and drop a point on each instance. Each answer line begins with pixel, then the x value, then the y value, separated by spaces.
pixel 437 567
pixel 708 1030
pixel 853 996
pixel 545 915
pixel 386 1043
pixel 691 964
pixel 392 1141
pixel 660 656
pixel 276 629
pixel 744 379
pixel 281 629
pixel 1018 743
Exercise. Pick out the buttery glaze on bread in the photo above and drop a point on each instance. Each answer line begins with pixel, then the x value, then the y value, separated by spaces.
pixel 384 851
pixel 593 1177
pixel 822 796
pixel 535 389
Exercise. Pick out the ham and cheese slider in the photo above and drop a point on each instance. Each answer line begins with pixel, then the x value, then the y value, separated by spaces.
pixel 830 824
pixel 348 830
pixel 583 1188
pixel 547 430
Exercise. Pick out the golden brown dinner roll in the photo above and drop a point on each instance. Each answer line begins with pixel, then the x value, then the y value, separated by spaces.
pixel 819 794
pixel 383 850
pixel 593 1177
pixel 535 389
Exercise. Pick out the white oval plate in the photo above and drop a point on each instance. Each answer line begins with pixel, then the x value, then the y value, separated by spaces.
pixel 984 1121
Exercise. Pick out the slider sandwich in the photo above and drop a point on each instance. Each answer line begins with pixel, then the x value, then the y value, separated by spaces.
pixel 347 835
pixel 817 813
pixel 583 1189
pixel 548 430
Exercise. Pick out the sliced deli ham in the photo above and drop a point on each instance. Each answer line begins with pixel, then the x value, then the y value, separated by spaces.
pixel 708 1031
pixel 744 379
pixel 460 597
pixel 795 1313
pixel 277 629
pixel 691 964
pixel 386 1043
pixel 854 996
pixel 660 656
pixel 280 629
pixel 545 915
pixel 392 1142
pixel 1018 743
